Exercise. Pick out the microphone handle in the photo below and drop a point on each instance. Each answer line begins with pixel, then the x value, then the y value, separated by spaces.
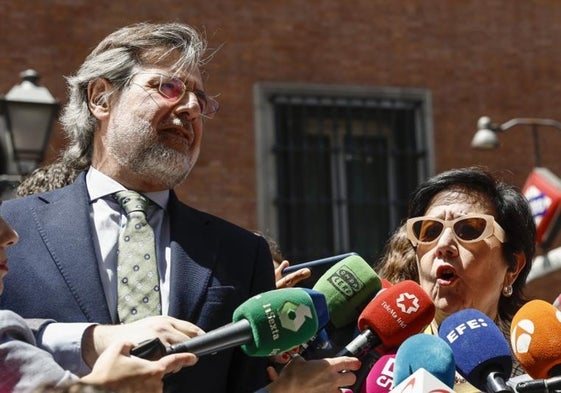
pixel 539 385
pixel 496 383
pixel 368 362
pixel 227 336
pixel 360 345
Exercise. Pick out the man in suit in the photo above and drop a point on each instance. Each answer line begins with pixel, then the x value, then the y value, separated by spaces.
pixel 134 121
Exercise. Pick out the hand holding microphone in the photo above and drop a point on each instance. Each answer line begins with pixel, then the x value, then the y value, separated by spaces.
pixel 264 325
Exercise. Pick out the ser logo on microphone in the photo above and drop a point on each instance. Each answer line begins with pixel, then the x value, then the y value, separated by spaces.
pixel 346 282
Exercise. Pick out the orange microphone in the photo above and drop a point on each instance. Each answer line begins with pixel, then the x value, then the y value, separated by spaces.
pixel 535 335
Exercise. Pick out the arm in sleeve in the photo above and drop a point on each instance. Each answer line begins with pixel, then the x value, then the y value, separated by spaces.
pixel 23 365
pixel 64 342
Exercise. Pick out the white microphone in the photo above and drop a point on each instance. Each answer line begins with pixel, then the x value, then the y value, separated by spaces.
pixel 421 381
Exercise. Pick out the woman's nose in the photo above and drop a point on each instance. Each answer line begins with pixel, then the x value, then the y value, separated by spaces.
pixel 8 236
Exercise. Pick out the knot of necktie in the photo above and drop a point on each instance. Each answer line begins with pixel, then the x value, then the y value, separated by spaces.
pixel 132 201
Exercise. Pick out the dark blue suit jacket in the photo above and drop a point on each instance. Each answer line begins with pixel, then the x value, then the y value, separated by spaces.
pixel 215 267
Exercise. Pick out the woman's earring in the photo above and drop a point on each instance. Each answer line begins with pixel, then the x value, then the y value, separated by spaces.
pixel 507 291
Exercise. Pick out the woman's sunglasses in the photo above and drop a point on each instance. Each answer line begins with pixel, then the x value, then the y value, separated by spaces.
pixel 467 229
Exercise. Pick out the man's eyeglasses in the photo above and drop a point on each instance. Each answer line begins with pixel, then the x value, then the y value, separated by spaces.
pixel 467 229
pixel 173 90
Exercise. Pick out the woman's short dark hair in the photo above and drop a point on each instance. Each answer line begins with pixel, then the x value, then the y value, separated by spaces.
pixel 512 213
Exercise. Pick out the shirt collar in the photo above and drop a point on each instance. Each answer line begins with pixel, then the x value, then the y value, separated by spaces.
pixel 100 185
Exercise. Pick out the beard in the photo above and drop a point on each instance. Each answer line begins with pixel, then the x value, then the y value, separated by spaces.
pixel 136 145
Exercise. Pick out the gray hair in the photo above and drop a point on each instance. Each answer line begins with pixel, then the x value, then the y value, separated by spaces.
pixel 115 59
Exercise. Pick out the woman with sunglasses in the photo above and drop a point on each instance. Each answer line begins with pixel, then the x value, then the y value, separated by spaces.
pixel 474 240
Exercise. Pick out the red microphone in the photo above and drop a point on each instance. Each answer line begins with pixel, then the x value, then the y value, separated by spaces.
pixel 535 334
pixel 391 317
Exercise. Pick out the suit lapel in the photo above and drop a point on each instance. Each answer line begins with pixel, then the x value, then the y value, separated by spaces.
pixel 65 226
pixel 192 259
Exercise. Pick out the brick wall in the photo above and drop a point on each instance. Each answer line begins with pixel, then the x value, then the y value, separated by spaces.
pixel 481 57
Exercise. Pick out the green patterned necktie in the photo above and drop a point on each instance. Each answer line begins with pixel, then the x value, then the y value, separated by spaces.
pixel 138 285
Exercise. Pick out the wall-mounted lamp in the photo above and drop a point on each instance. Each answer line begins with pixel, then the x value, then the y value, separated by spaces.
pixel 28 111
pixel 486 135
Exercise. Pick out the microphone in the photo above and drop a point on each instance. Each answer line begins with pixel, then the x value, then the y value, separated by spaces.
pixel 348 286
pixel 421 381
pixel 391 317
pixel 317 262
pixel 380 377
pixel 535 335
pixel 320 340
pixel 481 351
pixel 266 324
pixel 539 385
pixel 428 352
pixel 320 305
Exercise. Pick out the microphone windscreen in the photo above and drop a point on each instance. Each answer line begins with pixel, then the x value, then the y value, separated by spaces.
pixel 397 313
pixel 280 320
pixel 478 345
pixel 386 283
pixel 425 351
pixel 348 286
pixel 380 377
pixel 535 334
pixel 320 305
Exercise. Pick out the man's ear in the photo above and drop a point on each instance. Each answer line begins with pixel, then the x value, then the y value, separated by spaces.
pixel 97 97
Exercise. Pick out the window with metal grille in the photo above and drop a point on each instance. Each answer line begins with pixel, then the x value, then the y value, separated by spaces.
pixel 336 166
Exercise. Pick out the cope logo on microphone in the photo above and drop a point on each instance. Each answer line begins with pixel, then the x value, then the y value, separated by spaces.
pixel 345 281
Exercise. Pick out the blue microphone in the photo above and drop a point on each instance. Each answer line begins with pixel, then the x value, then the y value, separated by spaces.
pixel 425 351
pixel 481 351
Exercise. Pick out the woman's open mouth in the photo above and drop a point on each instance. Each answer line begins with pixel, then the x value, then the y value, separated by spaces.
pixel 445 275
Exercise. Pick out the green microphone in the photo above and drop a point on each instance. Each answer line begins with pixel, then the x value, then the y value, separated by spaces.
pixel 267 324
pixel 280 320
pixel 348 286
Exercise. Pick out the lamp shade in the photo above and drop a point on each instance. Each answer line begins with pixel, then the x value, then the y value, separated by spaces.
pixel 29 111
pixel 485 139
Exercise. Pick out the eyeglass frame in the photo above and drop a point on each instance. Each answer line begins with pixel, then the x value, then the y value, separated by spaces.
pixel 199 94
pixel 490 230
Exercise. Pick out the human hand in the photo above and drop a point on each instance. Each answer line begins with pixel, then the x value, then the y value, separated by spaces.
pixel 168 329
pixel 314 376
pixel 291 279
pixel 117 369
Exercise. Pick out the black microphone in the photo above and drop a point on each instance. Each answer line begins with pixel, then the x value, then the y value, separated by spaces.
pixel 317 262
pixel 539 385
